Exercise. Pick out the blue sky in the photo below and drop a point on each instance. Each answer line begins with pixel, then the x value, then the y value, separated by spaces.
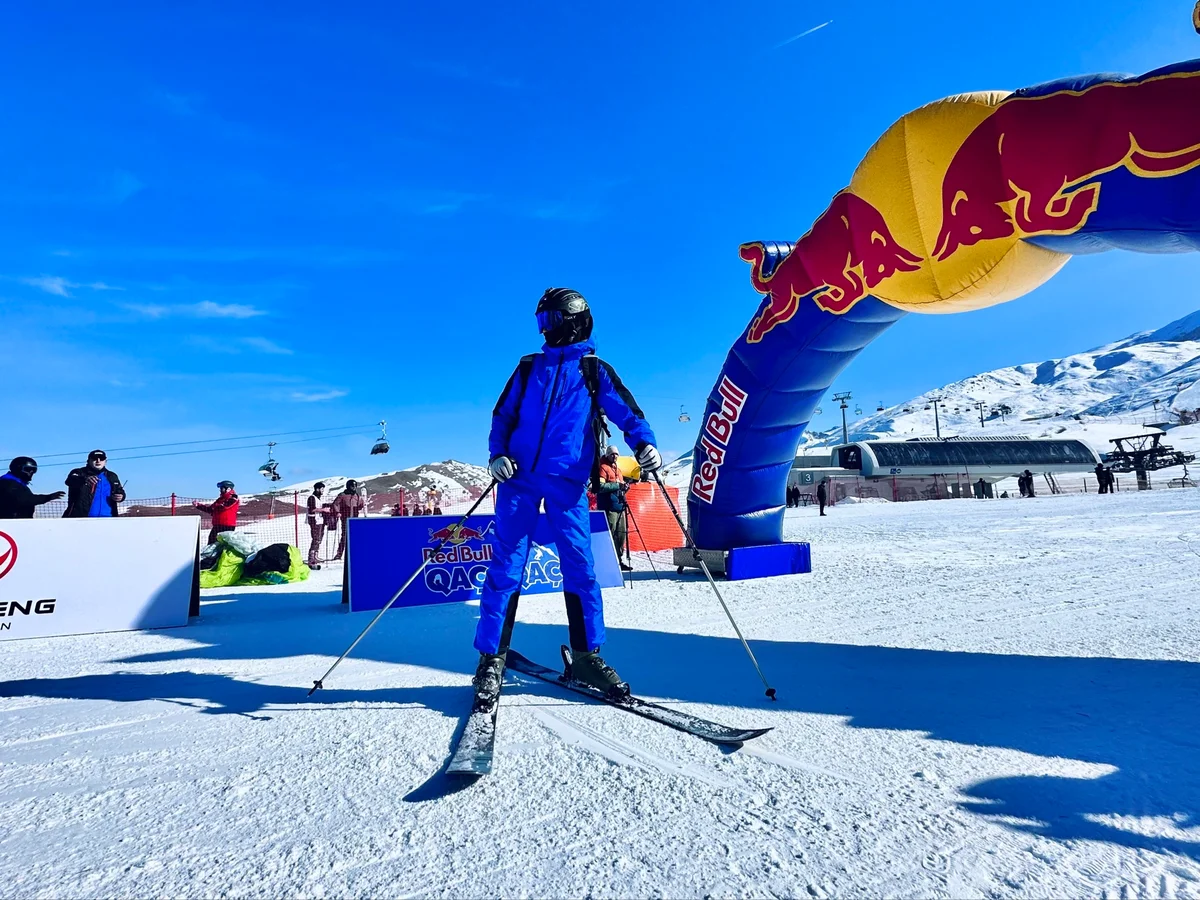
pixel 228 219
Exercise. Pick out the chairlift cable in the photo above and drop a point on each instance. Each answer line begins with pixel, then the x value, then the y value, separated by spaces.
pixel 324 437
pixel 244 437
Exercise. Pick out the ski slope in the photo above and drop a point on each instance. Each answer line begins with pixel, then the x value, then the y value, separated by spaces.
pixel 976 698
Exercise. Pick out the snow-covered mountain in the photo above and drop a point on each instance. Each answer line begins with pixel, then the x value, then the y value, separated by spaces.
pixel 1151 378
pixel 1146 379
pixel 454 479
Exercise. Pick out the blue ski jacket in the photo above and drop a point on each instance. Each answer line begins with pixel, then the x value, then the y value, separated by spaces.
pixel 545 425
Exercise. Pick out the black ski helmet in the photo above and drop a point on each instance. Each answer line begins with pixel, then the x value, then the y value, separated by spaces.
pixel 221 485
pixel 23 467
pixel 563 317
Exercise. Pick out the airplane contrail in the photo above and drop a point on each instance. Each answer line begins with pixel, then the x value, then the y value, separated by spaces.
pixel 802 34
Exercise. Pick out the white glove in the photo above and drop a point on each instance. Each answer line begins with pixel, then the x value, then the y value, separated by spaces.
pixel 502 468
pixel 649 458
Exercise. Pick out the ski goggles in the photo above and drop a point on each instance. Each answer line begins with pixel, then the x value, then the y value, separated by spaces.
pixel 548 320
pixel 29 470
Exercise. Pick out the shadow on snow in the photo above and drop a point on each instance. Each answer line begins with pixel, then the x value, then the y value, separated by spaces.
pixel 1138 716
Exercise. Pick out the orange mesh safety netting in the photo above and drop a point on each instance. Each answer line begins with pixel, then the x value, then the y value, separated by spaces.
pixel 657 527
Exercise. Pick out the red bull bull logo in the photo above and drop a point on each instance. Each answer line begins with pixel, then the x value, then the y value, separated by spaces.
pixel 848 251
pixel 1030 168
pixel 459 534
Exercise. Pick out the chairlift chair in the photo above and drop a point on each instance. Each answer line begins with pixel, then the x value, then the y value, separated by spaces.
pixel 381 445
pixel 879 408
pixel 858 410
pixel 270 469
pixel 683 416
pixel 817 411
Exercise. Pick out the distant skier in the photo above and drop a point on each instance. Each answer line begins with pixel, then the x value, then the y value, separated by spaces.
pixel 823 494
pixel 545 438
pixel 17 500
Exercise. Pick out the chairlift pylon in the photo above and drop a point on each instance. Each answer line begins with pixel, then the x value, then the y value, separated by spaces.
pixel 381 445
pixel 270 469
pixel 683 416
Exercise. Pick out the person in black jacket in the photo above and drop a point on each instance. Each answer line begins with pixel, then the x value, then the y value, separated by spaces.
pixel 17 501
pixel 93 491
pixel 823 494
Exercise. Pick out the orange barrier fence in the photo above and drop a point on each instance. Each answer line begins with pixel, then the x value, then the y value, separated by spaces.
pixel 655 526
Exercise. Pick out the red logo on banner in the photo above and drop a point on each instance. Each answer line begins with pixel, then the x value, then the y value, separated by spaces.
pixel 8 554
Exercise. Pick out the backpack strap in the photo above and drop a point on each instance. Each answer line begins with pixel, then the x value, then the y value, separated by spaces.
pixel 524 367
pixel 589 367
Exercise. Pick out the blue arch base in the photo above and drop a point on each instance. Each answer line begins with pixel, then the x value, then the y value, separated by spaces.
pixel 756 414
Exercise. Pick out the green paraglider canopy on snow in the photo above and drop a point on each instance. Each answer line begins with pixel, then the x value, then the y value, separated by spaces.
pixel 228 570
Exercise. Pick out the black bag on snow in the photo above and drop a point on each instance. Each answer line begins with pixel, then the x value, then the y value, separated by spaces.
pixel 272 558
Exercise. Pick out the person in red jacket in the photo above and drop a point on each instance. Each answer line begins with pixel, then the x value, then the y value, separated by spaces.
pixel 223 510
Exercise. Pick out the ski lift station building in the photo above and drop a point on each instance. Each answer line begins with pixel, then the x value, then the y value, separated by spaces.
pixel 933 468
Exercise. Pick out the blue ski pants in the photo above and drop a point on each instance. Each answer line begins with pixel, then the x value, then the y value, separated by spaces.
pixel 517 506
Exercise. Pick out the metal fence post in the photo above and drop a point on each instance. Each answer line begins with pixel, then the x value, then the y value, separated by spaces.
pixel 296 514
pixel 172 503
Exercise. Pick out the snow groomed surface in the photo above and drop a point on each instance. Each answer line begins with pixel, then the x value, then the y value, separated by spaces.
pixel 977 698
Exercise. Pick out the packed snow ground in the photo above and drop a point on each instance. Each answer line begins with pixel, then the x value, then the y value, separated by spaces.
pixel 976 698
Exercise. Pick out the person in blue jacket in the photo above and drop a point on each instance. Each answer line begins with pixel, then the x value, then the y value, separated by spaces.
pixel 544 446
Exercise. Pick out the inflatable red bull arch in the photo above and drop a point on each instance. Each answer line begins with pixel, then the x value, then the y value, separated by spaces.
pixel 964 203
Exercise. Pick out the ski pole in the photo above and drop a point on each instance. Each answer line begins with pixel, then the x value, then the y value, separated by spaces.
pixel 320 682
pixel 628 552
pixel 707 574
pixel 629 513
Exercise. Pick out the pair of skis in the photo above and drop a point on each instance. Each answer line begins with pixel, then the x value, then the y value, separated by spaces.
pixel 476 744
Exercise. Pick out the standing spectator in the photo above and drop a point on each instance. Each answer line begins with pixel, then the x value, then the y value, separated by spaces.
pixel 435 501
pixel 823 494
pixel 397 509
pixel 17 501
pixel 1110 479
pixel 610 497
pixel 348 506
pixel 316 524
pixel 223 510
pixel 1029 484
pixel 93 490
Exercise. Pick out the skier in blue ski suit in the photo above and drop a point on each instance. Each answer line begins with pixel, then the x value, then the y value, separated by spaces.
pixel 544 446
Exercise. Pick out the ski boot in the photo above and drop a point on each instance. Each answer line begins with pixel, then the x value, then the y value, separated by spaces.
pixel 586 667
pixel 489 676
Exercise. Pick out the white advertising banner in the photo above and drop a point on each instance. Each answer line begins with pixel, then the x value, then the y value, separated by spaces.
pixel 82 576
